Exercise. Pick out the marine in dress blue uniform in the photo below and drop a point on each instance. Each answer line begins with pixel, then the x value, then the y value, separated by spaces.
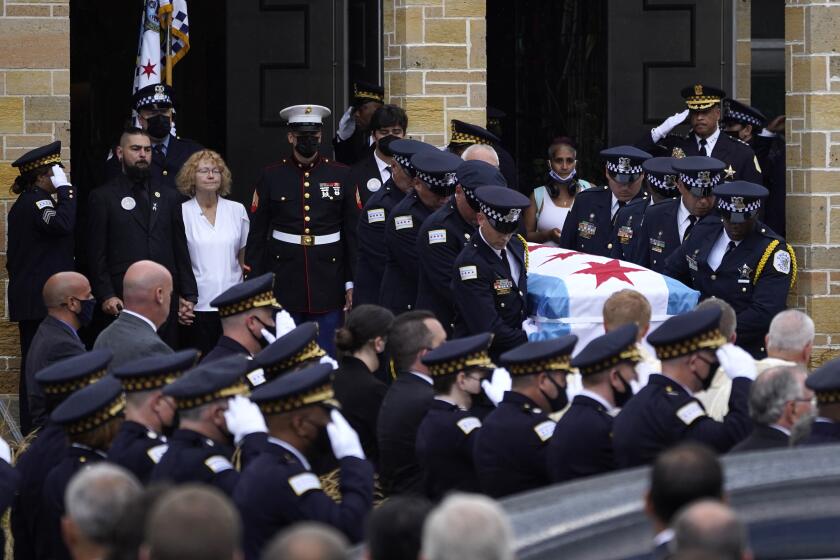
pixel 444 235
pixel 668 223
pixel 57 382
pixel 433 185
pixel 511 447
pixel 490 284
pixel 191 455
pixel 665 412
pixel 303 227
pixel 825 383
pixel 139 447
pixel 279 488
pixel 372 254
pixel 589 226
pixel 446 436
pixel 739 260
pixel 40 244
pixel 90 418
pixel 582 441
pixel 295 350
pixel 239 304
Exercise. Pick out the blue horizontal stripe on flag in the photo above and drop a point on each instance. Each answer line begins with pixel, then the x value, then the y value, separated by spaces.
pixel 681 298
pixel 547 296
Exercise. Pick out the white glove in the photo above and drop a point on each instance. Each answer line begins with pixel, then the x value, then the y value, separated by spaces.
pixel 736 362
pixel 243 418
pixel 347 124
pixel 668 125
pixel 495 389
pixel 329 360
pixel 343 438
pixel 5 451
pixel 283 323
pixel 59 178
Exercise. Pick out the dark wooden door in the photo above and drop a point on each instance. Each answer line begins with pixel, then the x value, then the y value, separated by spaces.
pixel 279 53
pixel 657 47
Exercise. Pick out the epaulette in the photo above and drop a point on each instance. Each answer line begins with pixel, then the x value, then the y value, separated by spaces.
pixel 594 189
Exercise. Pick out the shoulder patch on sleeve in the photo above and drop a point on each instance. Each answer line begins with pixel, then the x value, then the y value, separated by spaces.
pixel 218 463
pixel 156 453
pixel 46 203
pixel 468 272
pixel 690 412
pixel 437 236
pixel 304 482
pixel 781 261
pixel 469 424
pixel 403 222
pixel 545 429
pixel 256 377
pixel 375 215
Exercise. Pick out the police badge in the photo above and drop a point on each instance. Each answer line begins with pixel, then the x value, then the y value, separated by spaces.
pixel 745 272
pixel 624 165
pixel 677 153
pixel 738 204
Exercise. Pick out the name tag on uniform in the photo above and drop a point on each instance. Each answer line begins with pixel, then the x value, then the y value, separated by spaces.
pixel 304 482
pixel 625 234
pixel 218 464
pixel 692 263
pixel 403 222
pixel 437 236
pixel 587 229
pixel 657 245
pixel 376 215
pixel 503 286
pixel 545 430
pixel 467 425
pixel 156 453
pixel 468 272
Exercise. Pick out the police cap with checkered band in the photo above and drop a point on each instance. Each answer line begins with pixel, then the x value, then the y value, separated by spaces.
pixel 624 163
pixel 502 207
pixel 699 174
pixel 438 170
pixel 739 201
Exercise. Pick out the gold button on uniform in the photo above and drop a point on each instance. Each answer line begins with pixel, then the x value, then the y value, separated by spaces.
pixel 306 208
pixel 306 174
pixel 306 230
pixel 305 195
pixel 306 183
pixel 713 277
pixel 306 218
pixel 165 172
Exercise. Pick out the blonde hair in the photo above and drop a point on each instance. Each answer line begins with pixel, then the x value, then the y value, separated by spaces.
pixel 626 307
pixel 186 176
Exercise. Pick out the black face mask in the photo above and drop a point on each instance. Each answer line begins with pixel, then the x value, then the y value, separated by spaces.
pixel 560 401
pixel 307 146
pixel 85 315
pixel 707 382
pixel 622 398
pixel 137 174
pixel 260 338
pixel 159 126
pixel 170 429
pixel 320 454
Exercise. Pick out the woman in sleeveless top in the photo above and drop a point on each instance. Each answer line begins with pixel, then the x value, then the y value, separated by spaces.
pixel 550 204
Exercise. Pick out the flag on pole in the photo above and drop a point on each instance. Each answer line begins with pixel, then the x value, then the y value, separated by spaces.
pixel 149 67
pixel 164 40
pixel 175 12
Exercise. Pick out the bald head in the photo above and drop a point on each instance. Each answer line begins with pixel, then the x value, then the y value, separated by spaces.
pixel 481 152
pixel 63 285
pixel 147 290
pixel 791 336
pixel 711 526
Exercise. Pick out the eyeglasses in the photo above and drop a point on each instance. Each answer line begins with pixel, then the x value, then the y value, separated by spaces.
pixel 208 171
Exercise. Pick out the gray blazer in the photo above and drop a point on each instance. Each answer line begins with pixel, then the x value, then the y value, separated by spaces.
pixel 130 338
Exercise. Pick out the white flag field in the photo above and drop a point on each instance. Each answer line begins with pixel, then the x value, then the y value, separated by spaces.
pixel 567 290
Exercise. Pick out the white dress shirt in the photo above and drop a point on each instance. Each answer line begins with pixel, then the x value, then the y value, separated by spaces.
pixel 423 376
pixel 597 398
pixel 710 142
pixel 384 171
pixel 614 207
pixel 683 220
pixel 719 249
pixel 514 266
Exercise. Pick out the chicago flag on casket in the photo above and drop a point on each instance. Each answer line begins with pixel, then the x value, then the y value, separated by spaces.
pixel 567 290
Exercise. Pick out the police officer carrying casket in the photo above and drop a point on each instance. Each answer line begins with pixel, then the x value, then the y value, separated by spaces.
pixel 490 275
pixel 668 224
pixel 739 260
pixel 433 185
pixel 444 234
pixel 303 227
pixel 589 225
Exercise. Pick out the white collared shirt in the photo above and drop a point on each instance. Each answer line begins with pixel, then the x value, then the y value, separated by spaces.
pixel 663 537
pixel 781 429
pixel 614 206
pixel 514 266
pixel 719 249
pixel 683 219
pixel 288 447
pixel 597 398
pixel 384 172
pixel 710 142
pixel 145 319
pixel 423 376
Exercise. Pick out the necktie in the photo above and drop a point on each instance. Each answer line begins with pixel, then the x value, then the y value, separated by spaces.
pixel 729 246
pixel 158 155
pixel 388 173
pixel 141 197
pixel 692 219
pixel 703 151
pixel 621 204
pixel 506 264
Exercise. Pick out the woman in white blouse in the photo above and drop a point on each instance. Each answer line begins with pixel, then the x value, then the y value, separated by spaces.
pixel 217 229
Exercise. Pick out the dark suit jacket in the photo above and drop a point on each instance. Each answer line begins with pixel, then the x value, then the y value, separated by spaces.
pixel 361 175
pixel 762 437
pixel 360 394
pixel 130 338
pixel 53 342
pixel 405 404
pixel 119 237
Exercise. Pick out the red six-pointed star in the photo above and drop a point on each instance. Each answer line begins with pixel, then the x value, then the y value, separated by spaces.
pixel 559 256
pixel 607 270
pixel 148 68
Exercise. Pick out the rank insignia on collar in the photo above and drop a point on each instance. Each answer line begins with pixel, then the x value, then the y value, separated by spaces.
pixel 730 173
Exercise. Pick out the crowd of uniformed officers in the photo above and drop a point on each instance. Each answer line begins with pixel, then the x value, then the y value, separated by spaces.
pixel 411 267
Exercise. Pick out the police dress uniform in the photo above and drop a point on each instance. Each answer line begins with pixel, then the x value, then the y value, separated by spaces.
pixel 624 240
pixel 659 234
pixel 510 454
pixel 825 383
pixel 372 254
pixel 191 456
pixel 589 226
pixel 443 236
pixel 582 441
pixel 296 349
pixel 754 275
pixel 88 409
pixel 490 287
pixel 402 269
pixel 664 413
pixel 352 149
pixel 740 160
pixel 303 228
pixel 446 436
pixel 279 488
pixel 462 135
pixel 40 244
pixel 137 447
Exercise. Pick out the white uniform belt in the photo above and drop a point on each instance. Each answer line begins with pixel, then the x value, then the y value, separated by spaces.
pixel 307 240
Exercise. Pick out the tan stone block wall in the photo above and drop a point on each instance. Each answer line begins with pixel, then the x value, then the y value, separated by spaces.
pixel 812 58
pixel 743 55
pixel 435 61
pixel 34 110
